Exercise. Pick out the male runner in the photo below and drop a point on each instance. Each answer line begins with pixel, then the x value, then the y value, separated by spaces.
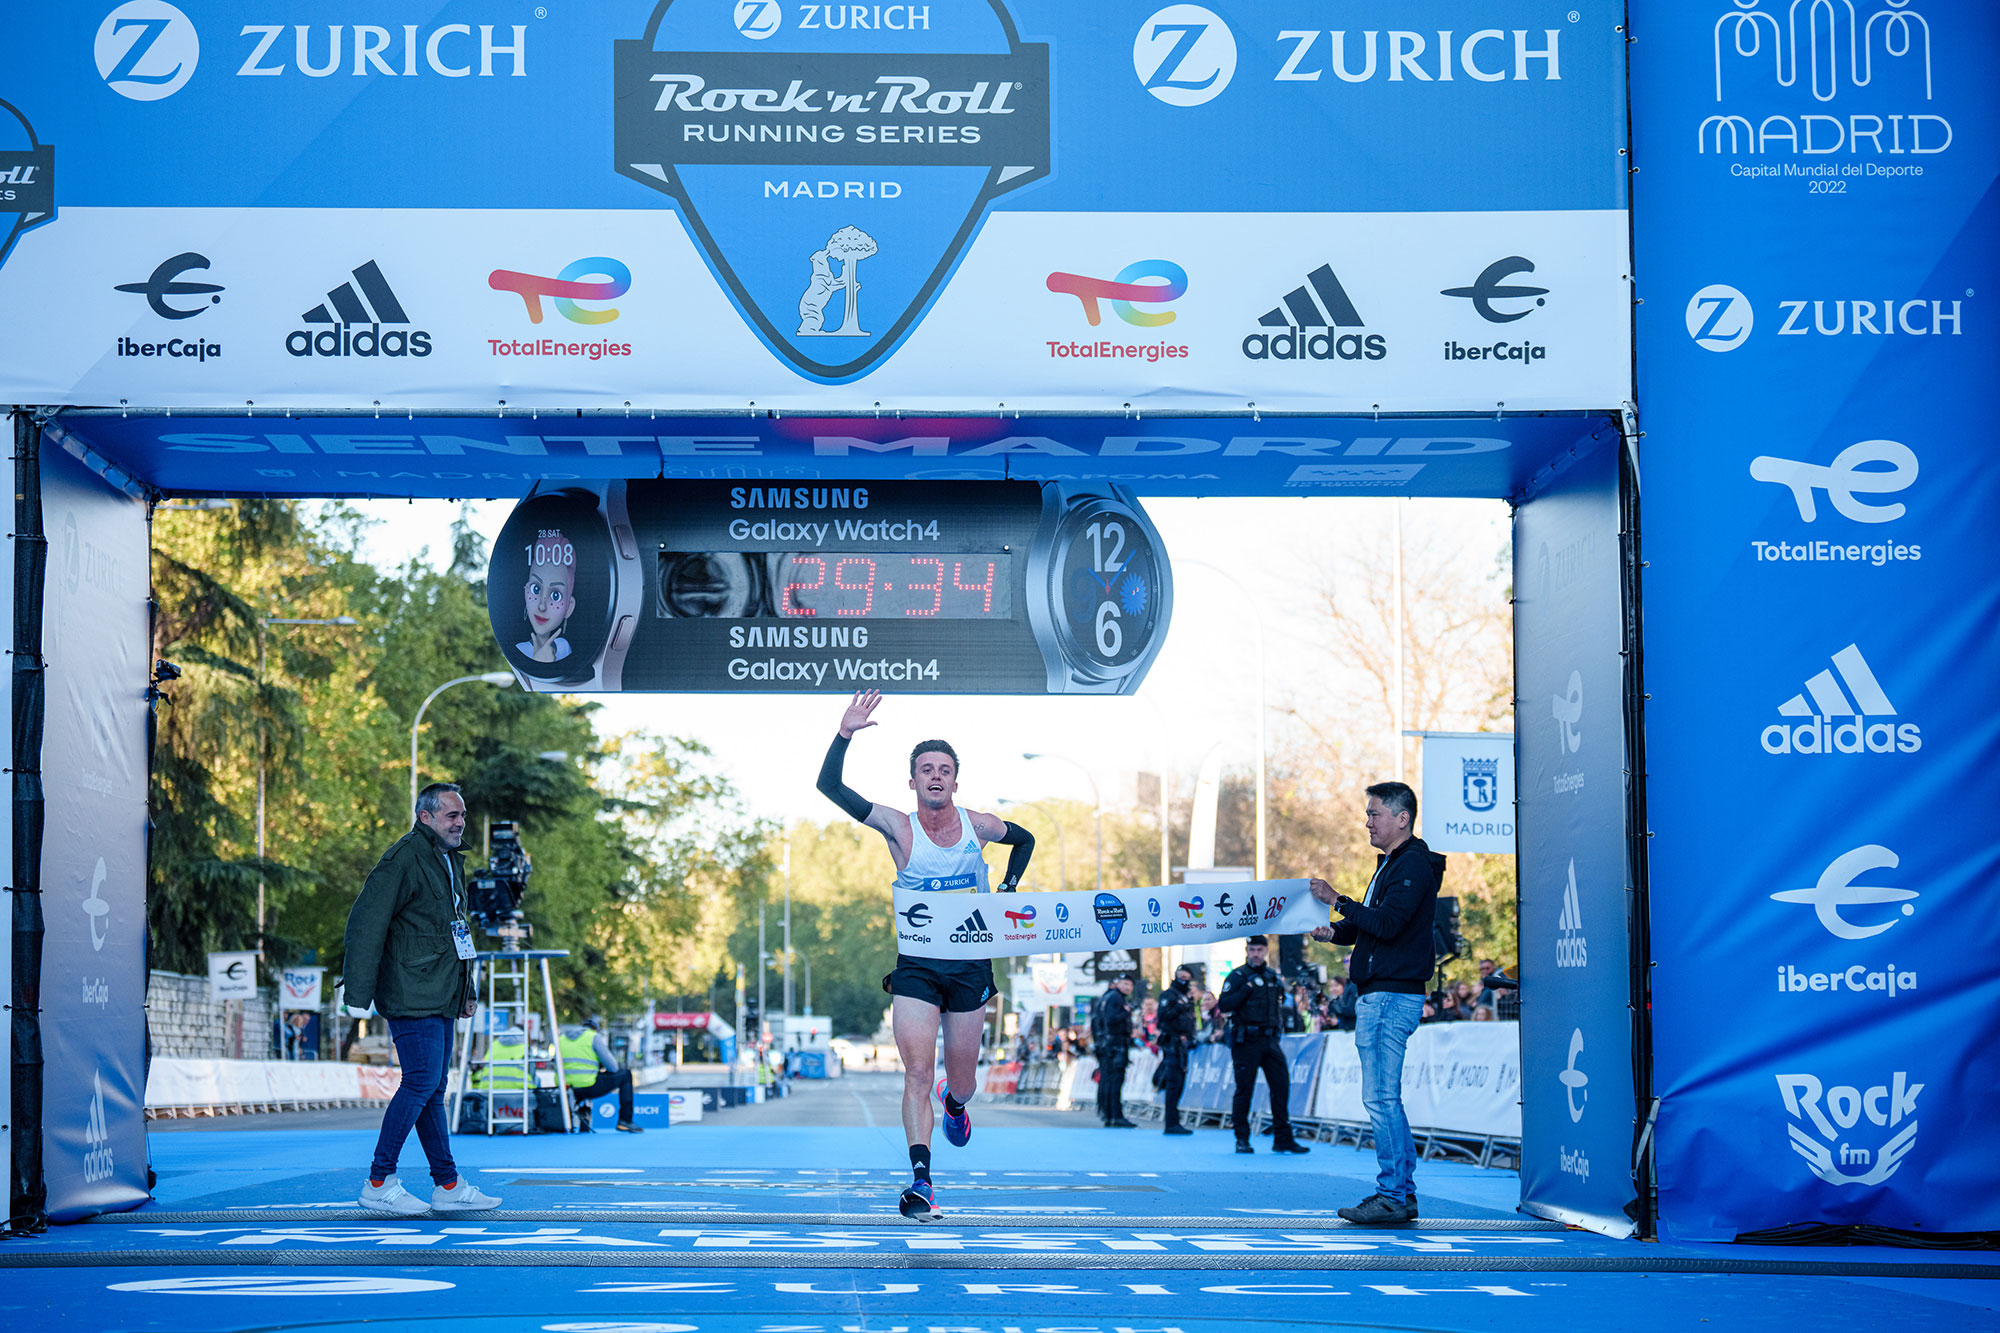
pixel 936 847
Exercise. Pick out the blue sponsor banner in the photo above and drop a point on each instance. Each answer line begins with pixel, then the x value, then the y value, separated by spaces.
pixel 94 769
pixel 1816 237
pixel 971 205
pixel 505 456
pixel 1510 104
pixel 1577 1103
pixel 1302 1052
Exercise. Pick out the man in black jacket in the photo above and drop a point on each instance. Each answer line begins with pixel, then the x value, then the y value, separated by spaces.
pixel 1254 998
pixel 1391 967
pixel 1177 1034
pixel 1111 1035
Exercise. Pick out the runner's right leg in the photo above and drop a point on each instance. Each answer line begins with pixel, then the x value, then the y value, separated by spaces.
pixel 915 1023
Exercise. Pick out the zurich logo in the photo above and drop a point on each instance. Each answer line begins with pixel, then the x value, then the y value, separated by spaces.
pixel 1062 911
pixel 1153 906
pixel 1184 55
pixel 758 19
pixel 831 191
pixel 1719 317
pixel 146 50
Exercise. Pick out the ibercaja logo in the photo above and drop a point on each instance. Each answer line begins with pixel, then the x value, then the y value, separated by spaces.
pixel 831 177
pixel 27 179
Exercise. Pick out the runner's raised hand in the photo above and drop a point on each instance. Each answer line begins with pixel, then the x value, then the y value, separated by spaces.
pixel 858 712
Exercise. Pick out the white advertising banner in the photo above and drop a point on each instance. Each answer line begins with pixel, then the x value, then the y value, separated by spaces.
pixel 299 987
pixel 1458 1078
pixel 232 976
pixel 982 925
pixel 1468 803
pixel 1291 312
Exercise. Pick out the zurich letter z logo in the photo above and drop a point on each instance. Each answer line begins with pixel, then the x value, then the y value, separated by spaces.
pixel 832 178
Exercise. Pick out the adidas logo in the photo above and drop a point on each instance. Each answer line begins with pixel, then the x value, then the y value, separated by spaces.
pixel 357 311
pixel 1839 706
pixel 1322 304
pixel 1570 948
pixel 973 930
pixel 97 1133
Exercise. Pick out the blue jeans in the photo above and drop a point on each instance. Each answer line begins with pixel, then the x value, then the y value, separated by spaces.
pixel 423 1045
pixel 1384 1021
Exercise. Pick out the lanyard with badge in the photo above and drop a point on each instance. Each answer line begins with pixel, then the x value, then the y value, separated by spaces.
pixel 461 934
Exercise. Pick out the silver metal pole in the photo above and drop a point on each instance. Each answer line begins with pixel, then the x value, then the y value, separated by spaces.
pixel 490 677
pixel 788 924
pixel 763 968
pixel 1257 618
pixel 1396 724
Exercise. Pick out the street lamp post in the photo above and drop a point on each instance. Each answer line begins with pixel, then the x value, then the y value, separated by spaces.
pixel 263 744
pixel 500 678
pixel 1257 616
pixel 1095 797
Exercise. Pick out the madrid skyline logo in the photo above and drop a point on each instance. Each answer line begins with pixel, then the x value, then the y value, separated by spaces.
pixel 831 178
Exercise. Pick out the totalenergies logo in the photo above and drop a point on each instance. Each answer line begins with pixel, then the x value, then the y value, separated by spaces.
pixel 567 288
pixel 1192 910
pixel 1126 292
pixel 1024 917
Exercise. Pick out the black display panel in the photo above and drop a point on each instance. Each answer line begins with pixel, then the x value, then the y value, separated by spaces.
pixel 950 587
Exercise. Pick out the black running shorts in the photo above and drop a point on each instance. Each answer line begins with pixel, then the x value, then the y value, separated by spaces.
pixel 955 985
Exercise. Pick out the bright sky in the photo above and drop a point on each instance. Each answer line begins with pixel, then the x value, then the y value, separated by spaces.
pixel 1201 691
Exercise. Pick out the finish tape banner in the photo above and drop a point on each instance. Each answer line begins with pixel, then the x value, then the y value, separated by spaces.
pixel 961 205
pixel 954 924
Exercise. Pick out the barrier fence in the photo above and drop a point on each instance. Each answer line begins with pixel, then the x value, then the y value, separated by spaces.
pixel 1461 1088
pixel 178 1086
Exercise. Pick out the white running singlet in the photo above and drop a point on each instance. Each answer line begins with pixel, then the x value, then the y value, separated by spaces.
pixel 958 868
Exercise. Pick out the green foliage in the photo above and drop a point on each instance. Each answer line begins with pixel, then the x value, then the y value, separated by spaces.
pixel 627 841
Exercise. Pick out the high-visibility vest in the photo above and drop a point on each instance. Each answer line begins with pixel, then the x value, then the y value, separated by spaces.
pixel 579 1059
pixel 498 1076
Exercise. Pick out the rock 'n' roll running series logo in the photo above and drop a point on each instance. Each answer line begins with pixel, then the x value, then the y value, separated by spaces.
pixel 27 179
pixel 831 177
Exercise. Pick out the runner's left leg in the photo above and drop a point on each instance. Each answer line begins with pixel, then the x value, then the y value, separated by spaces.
pixel 961 1052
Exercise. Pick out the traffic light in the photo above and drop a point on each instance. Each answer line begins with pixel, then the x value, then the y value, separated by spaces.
pixel 752 1021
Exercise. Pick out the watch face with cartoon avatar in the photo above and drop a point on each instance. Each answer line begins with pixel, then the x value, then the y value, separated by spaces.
pixel 551 586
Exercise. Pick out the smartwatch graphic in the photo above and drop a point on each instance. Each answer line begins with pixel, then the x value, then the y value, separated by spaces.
pixel 564 587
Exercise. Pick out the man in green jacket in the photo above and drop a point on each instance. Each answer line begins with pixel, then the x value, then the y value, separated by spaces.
pixel 408 952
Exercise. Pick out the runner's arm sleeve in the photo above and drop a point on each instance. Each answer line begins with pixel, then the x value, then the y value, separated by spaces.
pixel 854 803
pixel 1022 844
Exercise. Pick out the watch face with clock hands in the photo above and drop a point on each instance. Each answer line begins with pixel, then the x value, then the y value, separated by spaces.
pixel 948 587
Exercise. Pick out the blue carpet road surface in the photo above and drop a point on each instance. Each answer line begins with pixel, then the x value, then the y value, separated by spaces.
pixel 1050 1228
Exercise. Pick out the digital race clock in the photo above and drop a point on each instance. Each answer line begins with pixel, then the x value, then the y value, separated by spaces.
pixel 951 587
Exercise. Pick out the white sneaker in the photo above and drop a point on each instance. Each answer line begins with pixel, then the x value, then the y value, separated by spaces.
pixel 463 1197
pixel 391 1197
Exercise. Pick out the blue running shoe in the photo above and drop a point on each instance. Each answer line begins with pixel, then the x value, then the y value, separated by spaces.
pixel 918 1203
pixel 957 1128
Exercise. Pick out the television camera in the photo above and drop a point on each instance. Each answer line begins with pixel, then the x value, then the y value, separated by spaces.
pixel 496 889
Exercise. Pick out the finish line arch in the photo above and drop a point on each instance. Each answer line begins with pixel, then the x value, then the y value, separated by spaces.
pixel 1778 326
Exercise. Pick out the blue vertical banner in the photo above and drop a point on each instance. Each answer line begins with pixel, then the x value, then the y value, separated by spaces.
pixel 1578 1110
pixel 95 633
pixel 1815 230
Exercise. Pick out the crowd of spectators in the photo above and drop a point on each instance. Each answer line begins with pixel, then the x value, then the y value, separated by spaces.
pixel 1312 1009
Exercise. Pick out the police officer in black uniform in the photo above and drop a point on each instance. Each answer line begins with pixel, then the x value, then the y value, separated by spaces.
pixel 1254 999
pixel 1176 1022
pixel 1111 1034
